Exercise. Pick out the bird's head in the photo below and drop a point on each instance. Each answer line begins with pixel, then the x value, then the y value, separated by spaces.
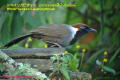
pixel 83 27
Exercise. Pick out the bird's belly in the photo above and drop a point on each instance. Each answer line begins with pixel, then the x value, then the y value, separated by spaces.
pixel 50 39
pixel 65 41
pixel 61 41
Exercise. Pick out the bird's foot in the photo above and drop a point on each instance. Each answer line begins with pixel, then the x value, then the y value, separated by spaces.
pixel 53 45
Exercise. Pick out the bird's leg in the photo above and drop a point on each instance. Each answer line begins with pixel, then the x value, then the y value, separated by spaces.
pixel 52 44
pixel 56 45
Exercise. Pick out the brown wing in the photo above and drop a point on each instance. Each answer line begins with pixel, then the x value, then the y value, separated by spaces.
pixel 53 30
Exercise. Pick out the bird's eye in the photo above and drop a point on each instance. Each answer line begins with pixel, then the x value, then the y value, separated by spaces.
pixel 85 28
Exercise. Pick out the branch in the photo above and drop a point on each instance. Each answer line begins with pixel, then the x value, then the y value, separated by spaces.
pixel 40 53
pixel 14 68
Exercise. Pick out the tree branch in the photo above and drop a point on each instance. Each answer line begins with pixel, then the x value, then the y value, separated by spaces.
pixel 40 53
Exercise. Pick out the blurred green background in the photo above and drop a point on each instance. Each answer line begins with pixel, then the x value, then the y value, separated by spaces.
pixel 99 52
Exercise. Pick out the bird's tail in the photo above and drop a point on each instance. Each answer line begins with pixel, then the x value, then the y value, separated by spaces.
pixel 17 40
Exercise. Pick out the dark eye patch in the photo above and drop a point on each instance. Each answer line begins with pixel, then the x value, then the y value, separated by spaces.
pixel 84 27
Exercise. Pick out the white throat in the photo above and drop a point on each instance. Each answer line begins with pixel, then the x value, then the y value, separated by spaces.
pixel 73 31
pixel 70 36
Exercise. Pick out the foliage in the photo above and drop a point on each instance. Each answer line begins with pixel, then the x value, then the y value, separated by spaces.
pixel 61 66
pixel 105 67
pixel 15 23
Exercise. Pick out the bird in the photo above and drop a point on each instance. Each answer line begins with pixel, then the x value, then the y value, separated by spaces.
pixel 58 34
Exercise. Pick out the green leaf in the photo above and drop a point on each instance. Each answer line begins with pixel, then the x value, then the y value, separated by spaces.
pixel 106 68
pixel 38 44
pixel 3 2
pixel 16 46
pixel 74 62
pixel 114 56
pixel 65 73
pixel 64 59
pixel 53 58
pixel 16 30
pixel 2 19
pixel 35 19
pixel 6 28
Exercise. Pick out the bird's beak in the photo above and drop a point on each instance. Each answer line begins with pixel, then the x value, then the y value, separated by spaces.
pixel 88 29
pixel 92 30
